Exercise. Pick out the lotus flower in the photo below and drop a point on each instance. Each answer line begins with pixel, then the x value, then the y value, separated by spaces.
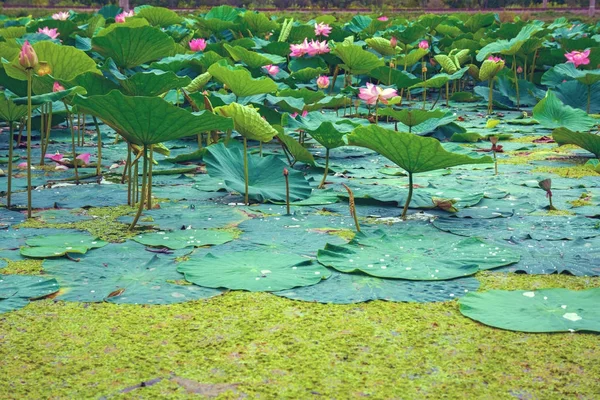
pixel 272 69
pixel 383 18
pixel 28 57
pixel 197 44
pixel 298 50
pixel 393 42
pixel 61 16
pixel 495 59
pixel 424 44
pixel 57 87
pixel 373 94
pixel 322 29
pixel 120 18
pixel 323 82
pixel 578 57
pixel 315 47
pixel 85 157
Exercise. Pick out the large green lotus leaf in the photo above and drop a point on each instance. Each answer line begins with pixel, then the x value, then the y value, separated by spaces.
pixel 387 76
pixel 198 83
pixel 50 97
pixel 94 84
pixel 183 238
pixel 248 122
pixel 439 80
pixel 538 228
pixel 544 310
pixel 240 81
pixel 413 57
pixel 307 74
pixel 410 152
pixel 416 257
pixel 159 16
pixel 309 96
pixel 149 120
pixel 576 257
pixel 418 121
pixel 587 77
pixel 479 20
pixel 220 18
pixel 265 174
pixel 123 273
pixel 509 47
pixel 575 94
pixel 381 45
pixel 552 113
pixel 132 46
pixel 356 288
pixel 585 140
pixel 252 271
pixel 258 22
pixel 65 62
pixel 296 64
pixel 9 111
pixel 153 83
pixel 299 152
pixel 328 136
pixel 179 61
pixel 17 290
pixel 356 59
pixel 251 58
pixel 60 244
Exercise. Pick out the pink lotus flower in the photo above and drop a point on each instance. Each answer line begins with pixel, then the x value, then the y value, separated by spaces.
pixel 197 44
pixel 85 157
pixel 373 94
pixel 323 82
pixel 322 29
pixel 61 16
pixel 28 57
pixel 57 87
pixel 298 50
pixel 272 69
pixel 57 157
pixel 383 18
pixel 424 44
pixel 578 57
pixel 23 165
pixel 393 42
pixel 120 18
pixel 315 47
pixel 495 59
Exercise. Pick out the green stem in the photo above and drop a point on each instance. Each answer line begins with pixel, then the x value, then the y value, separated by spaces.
pixel 10 162
pixel 409 198
pixel 287 194
pixel 29 76
pixel 490 96
pixel 127 171
pixel 42 130
pixel 322 184
pixel 151 161
pixel 99 137
pixel 376 112
pixel 141 205
pixel 447 92
pixel 589 97
pixel 516 81
pixel 495 164
pixel 246 171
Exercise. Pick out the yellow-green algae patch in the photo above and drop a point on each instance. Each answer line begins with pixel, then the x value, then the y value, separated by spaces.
pixel 576 171
pixel 23 267
pixel 256 345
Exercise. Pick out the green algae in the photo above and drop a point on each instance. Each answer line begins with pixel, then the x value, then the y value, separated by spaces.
pixel 576 171
pixel 23 267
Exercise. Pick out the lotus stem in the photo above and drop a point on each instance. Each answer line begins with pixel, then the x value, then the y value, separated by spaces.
pixel 11 130
pixel 287 190
pixel 532 66
pixel 46 141
pixel 127 171
pixel 70 119
pixel 99 138
pixel 352 205
pixel 322 184
pixel 516 81
pixel 447 93
pixel 151 161
pixel 376 112
pixel 490 97
pixel 29 76
pixel 334 78
pixel 495 163
pixel 134 185
pixel 42 130
pixel 21 126
pixel 141 205
pixel 589 98
pixel 409 198
pixel 246 171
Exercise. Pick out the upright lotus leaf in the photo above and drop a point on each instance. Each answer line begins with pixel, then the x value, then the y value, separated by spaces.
pixel 198 83
pixel 412 153
pixel 489 69
pixel 251 58
pixel 387 76
pixel 413 57
pixel 181 239
pixel 585 140
pixel 17 290
pixel 258 22
pixel 265 174
pixel 153 83
pixel 149 120
pixel 179 61
pixel 60 244
pixel 252 271
pixel 94 84
pixel 9 110
pixel 132 46
pixel 439 80
pixel 220 18
pixel 509 47
pixel 544 310
pixel 587 77
pixel 416 257
pixel 248 122
pixel 381 45
pixel 159 16
pixel 552 113
pixel 65 62
pixel 418 121
pixel 356 59
pixel 344 288
pixel 240 81
pixel 296 150
pixel 50 97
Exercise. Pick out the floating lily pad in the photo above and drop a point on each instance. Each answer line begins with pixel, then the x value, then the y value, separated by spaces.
pixel 181 239
pixel 253 271
pixel 17 290
pixel 545 310
pixel 61 244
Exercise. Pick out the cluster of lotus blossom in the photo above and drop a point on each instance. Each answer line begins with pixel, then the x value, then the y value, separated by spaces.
pixel 197 44
pixel 322 29
pixel 52 33
pixel 373 94
pixel 312 48
pixel 120 18
pixel 61 160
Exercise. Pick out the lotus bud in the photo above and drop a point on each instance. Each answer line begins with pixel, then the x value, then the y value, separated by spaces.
pixel 57 87
pixel 424 44
pixel 286 172
pixel 28 57
pixel 546 184
pixel 393 42
pixel 392 64
pixel 323 82
pixel 519 70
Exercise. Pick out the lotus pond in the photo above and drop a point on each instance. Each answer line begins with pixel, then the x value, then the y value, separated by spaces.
pixel 238 205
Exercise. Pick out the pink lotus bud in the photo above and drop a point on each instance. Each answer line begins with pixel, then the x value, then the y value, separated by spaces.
pixel 120 18
pixel 286 172
pixel 424 44
pixel 393 42
pixel 383 18
pixel 197 44
pixel 323 82
pixel 519 70
pixel 28 57
pixel 272 69
pixel 304 113
pixel 85 157
pixel 57 87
